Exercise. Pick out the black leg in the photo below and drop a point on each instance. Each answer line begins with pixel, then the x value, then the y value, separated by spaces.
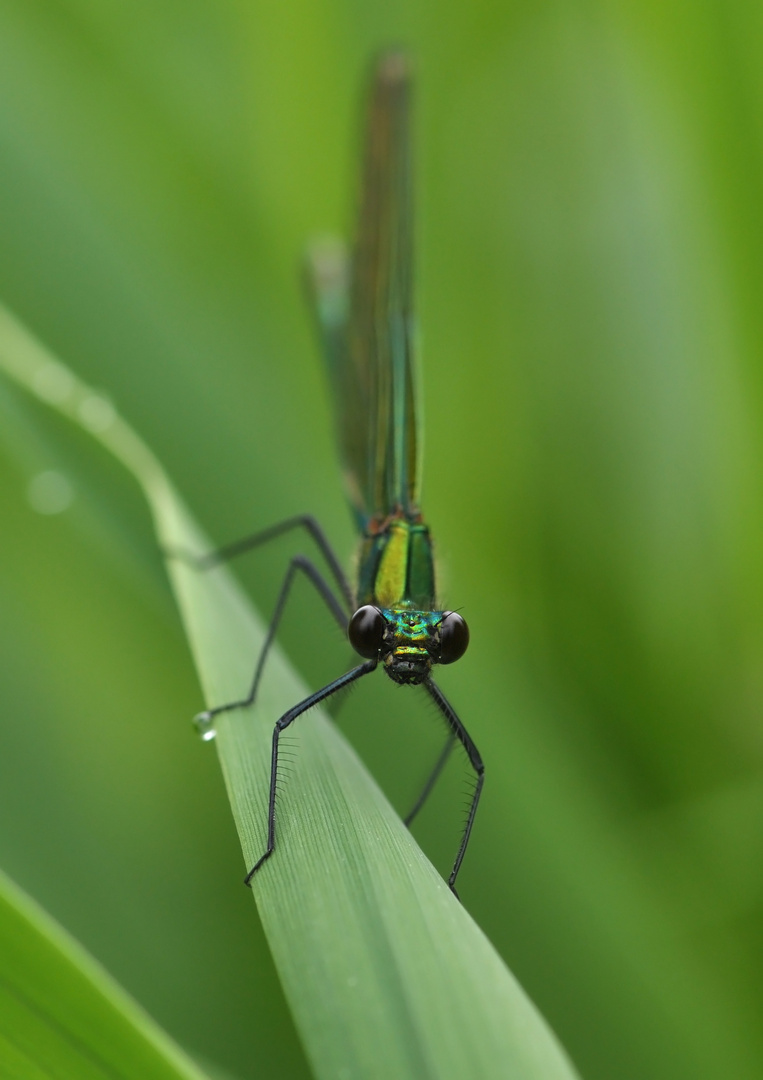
pixel 433 778
pixel 475 760
pixel 286 719
pixel 299 562
pixel 238 547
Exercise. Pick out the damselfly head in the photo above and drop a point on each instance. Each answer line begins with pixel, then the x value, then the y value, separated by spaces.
pixel 408 642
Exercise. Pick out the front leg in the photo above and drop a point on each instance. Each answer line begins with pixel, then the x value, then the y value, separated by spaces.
pixel 281 725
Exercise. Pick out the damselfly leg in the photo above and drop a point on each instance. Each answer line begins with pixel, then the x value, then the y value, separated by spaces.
pixel 340 609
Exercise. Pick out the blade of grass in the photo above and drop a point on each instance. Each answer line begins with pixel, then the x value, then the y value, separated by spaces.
pixel 62 1015
pixel 386 973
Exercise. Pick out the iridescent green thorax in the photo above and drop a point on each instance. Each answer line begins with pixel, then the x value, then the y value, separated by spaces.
pixel 396 574
pixel 396 566
pixel 411 644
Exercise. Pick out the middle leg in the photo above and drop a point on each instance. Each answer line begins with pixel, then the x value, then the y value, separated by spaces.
pixel 434 776
pixel 298 564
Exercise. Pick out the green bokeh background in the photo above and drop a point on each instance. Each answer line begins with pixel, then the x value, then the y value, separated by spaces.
pixel 589 282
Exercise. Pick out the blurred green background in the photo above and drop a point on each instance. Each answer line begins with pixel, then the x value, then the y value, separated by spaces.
pixel 589 274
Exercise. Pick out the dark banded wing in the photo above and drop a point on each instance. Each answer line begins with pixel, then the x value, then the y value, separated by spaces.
pixel 364 308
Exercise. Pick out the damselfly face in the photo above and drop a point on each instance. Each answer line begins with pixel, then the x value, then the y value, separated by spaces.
pixel 408 642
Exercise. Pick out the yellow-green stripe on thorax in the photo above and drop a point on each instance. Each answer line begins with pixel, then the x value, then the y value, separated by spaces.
pixel 397 567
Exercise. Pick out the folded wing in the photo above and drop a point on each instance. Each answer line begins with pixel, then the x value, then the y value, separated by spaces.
pixel 364 309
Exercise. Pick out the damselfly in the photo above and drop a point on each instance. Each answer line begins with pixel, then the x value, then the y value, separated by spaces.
pixel 363 304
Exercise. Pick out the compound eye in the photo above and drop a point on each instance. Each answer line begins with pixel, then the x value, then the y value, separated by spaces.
pixel 454 637
pixel 366 631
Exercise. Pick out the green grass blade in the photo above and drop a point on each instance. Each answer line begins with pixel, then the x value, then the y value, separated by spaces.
pixel 61 1015
pixel 386 973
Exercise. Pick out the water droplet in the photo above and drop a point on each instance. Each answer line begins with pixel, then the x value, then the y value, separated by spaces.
pixel 204 724
pixel 50 492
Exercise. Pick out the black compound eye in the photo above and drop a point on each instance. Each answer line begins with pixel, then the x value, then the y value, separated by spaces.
pixel 454 637
pixel 366 631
